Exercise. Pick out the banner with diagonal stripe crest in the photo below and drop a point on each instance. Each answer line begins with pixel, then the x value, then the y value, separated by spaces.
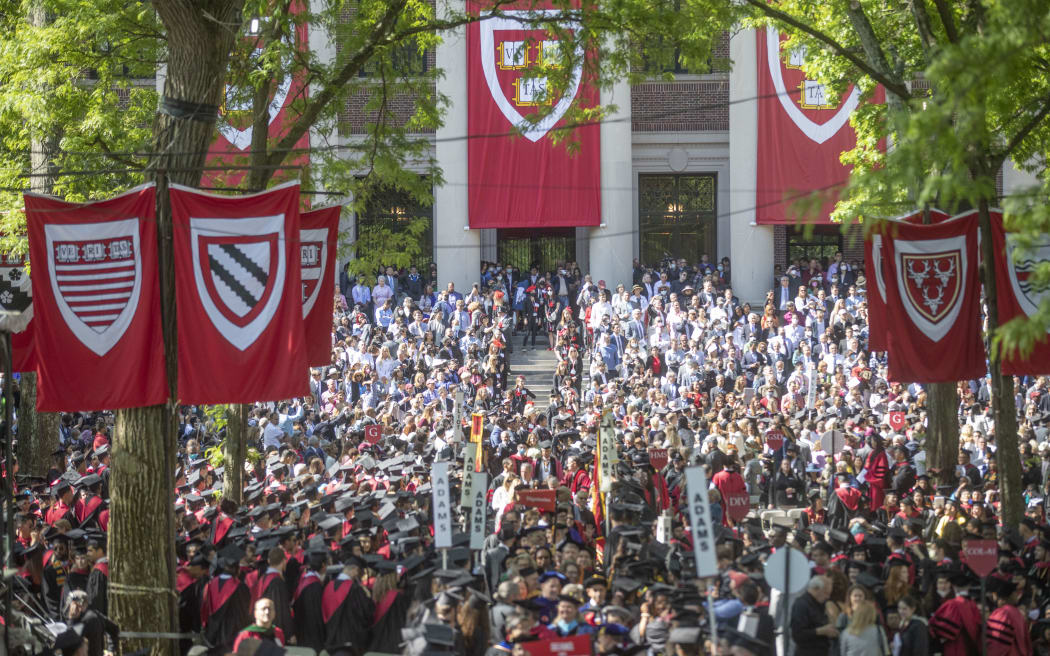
pixel 318 237
pixel 238 284
pixel 96 302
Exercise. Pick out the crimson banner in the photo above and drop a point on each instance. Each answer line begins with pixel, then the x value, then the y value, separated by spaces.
pixel 525 181
pixel 933 301
pixel 96 302
pixel 240 317
pixel 318 237
pixel 801 134
pixel 1017 295
pixel 875 273
pixel 542 500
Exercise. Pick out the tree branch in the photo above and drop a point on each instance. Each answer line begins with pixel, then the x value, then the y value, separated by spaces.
pixel 870 43
pixel 1023 133
pixel 891 85
pixel 922 26
pixel 945 12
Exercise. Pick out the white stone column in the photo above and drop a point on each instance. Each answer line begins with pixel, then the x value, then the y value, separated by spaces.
pixel 611 245
pixel 750 245
pixel 457 251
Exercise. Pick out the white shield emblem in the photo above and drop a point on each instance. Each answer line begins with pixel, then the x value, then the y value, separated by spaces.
pixel 930 278
pixel 1029 296
pixel 313 252
pixel 818 132
pixel 511 55
pixel 96 278
pixel 239 267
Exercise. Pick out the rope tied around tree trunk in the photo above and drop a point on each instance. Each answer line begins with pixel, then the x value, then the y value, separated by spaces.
pixel 141 589
pixel 191 111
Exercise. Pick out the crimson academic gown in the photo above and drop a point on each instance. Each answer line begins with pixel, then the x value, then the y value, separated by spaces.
pixel 306 604
pixel 190 590
pixel 348 612
pixel 391 613
pixel 225 610
pixel 271 586
pixel 956 623
pixel 1008 633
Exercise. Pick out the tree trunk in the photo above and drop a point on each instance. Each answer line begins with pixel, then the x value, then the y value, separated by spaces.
pixel 234 453
pixel 37 431
pixel 1004 407
pixel 942 436
pixel 200 35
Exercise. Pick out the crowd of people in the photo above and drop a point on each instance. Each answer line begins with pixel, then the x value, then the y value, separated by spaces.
pixel 332 545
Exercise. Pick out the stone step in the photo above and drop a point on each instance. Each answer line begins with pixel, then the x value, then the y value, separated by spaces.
pixel 537 365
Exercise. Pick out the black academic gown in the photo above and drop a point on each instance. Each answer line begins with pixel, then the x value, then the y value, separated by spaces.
pixel 190 591
pixel 98 588
pixel 348 614
pixel 386 632
pixel 51 584
pixel 276 590
pixel 94 627
pixel 75 580
pixel 225 610
pixel 306 603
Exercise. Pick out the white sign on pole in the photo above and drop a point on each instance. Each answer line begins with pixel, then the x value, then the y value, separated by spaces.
pixel 478 509
pixel 469 458
pixel 457 414
pixel 441 506
pixel 700 522
pixel 811 384
pixel 607 451
pixel 663 529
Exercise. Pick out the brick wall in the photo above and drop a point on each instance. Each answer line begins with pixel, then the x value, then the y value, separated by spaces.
pixel 687 104
pixel 853 244
pixel 352 117
pixel 780 247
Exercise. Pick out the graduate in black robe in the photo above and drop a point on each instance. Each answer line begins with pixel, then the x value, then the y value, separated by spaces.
pixel 271 586
pixel 306 602
pixel 225 603
pixel 77 576
pixel 348 611
pixel 98 579
pixel 54 576
pixel 189 583
pixel 390 617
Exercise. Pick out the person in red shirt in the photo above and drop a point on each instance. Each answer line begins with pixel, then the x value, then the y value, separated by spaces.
pixel 100 436
pixel 61 509
pixel 263 629
pixel 730 484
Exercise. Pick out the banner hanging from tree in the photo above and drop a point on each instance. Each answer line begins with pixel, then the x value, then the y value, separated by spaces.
pixel 526 180
pixel 318 238
pixel 875 272
pixel 237 285
pixel 1018 294
pixel 933 301
pixel 802 131
pixel 16 307
pixel 96 290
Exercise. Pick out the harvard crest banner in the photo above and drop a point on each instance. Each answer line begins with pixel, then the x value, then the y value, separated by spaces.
pixel 1017 293
pixel 801 134
pixel 525 181
pixel 237 285
pixel 318 237
pixel 96 302
pixel 875 273
pixel 933 301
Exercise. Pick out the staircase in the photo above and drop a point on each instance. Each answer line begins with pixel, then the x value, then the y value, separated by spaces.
pixel 537 365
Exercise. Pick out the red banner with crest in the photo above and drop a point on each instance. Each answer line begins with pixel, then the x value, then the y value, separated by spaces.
pixel 237 285
pixel 933 301
pixel 16 300
pixel 1017 294
pixel 802 131
pixel 525 180
pixel 875 273
pixel 318 238
pixel 95 289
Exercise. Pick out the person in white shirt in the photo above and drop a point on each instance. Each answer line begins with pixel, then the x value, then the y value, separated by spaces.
pixel 361 294
pixel 381 292
pixel 272 435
